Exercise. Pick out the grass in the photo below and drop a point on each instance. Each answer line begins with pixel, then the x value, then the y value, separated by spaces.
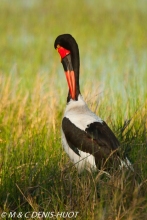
pixel 35 173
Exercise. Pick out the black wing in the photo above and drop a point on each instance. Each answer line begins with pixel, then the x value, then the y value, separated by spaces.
pixel 103 135
pixel 97 139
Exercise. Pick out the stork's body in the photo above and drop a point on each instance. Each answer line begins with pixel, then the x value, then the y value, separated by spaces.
pixel 86 138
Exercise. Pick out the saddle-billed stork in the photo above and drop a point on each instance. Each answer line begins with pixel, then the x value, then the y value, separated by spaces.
pixel 86 138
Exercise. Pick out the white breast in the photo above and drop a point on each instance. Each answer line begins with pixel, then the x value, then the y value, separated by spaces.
pixel 79 114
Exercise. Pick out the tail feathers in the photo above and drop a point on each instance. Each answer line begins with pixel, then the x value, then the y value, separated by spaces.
pixel 126 164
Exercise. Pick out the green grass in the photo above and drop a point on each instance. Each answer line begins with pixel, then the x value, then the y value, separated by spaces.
pixel 35 173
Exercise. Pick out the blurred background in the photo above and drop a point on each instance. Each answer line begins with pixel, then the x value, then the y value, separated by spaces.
pixel 112 37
